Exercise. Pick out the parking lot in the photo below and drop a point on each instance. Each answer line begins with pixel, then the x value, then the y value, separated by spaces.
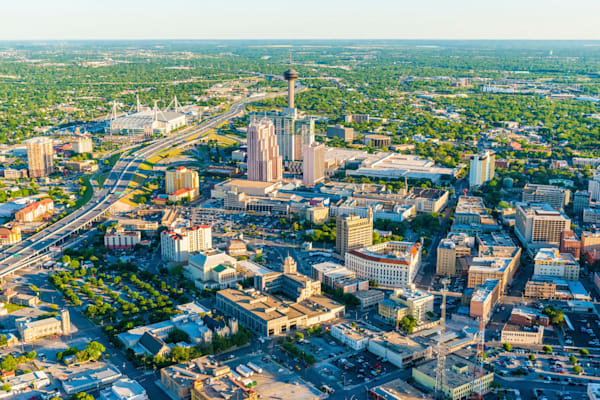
pixel 323 347
pixel 355 369
pixel 550 394
pixel 586 330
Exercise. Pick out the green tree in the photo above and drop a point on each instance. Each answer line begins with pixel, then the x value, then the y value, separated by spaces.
pixel 408 323
pixel 177 335
pixel 95 350
pixel 8 363
pixel 577 369
pixel 573 359
pixel 507 347
pixel 299 336
pixel 6 387
pixel 531 357
pixel 584 352
pixel 31 355
pixel 547 349
pixel 82 396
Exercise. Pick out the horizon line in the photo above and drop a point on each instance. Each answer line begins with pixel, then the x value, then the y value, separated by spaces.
pixel 300 39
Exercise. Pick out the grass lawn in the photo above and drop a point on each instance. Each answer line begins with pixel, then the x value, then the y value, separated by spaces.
pixel 13 307
pixel 87 194
pixel 102 178
pixel 221 139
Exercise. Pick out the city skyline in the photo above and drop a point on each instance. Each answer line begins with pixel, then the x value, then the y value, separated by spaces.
pixel 382 19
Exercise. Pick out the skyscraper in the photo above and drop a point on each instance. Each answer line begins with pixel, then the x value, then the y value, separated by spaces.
pixel 264 160
pixel 483 167
pixel 313 167
pixel 353 232
pixel 40 157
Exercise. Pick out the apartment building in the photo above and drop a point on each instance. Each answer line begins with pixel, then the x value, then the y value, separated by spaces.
pixel 484 298
pixel 353 232
pixel 182 180
pixel 179 244
pixel 581 201
pixel 40 157
pixel 556 197
pixel 313 166
pixel 551 262
pixel 118 238
pixel 539 225
pixel 82 144
pixel 9 235
pixel 35 211
pixel 498 258
pixel 482 168
pixel 452 254
pixel 264 158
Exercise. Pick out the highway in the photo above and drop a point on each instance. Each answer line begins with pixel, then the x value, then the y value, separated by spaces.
pixel 19 255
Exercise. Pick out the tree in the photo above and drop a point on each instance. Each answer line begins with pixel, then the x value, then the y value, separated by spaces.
pixel 177 336
pixel 95 350
pixel 6 387
pixel 577 369
pixel 584 352
pixel 31 355
pixel 408 323
pixel 299 336
pixel 8 363
pixel 573 359
pixel 82 396
pixel 531 357
pixel 507 347
pixel 547 349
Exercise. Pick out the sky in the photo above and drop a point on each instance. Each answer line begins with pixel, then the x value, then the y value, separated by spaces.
pixel 300 19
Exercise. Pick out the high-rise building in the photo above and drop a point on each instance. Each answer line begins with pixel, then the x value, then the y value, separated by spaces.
pixel 179 244
pixel 292 131
pixel 594 186
pixel 264 160
pixel 341 132
pixel 40 157
pixel 82 144
pixel 452 253
pixel 353 232
pixel 556 196
pixel 313 167
pixel 482 168
pixel 581 201
pixel 182 178
pixel 539 225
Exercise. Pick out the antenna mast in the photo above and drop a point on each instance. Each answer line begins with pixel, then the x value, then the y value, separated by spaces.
pixel 440 375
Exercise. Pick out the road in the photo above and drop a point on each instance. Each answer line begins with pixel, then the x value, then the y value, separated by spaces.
pixel 17 256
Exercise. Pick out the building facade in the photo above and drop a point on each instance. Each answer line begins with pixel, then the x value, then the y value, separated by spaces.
pixel 35 211
pixel 182 179
pixel 551 262
pixel 556 197
pixel 32 330
pixel 353 232
pixel 264 160
pixel 391 264
pixel 118 238
pixel 40 157
pixel 313 166
pixel 482 168
pixel 178 244
pixel 9 235
pixel 82 145
pixel 539 225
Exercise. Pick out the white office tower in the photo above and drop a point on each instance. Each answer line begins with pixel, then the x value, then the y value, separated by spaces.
pixel 264 160
pixel 594 186
pixel 483 167
pixel 313 167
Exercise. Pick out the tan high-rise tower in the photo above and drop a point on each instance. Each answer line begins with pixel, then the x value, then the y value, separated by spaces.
pixel 353 232
pixel 40 157
pixel 264 161
pixel 313 167
pixel 291 76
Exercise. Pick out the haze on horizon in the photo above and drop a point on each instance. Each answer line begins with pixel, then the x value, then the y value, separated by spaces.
pixel 309 19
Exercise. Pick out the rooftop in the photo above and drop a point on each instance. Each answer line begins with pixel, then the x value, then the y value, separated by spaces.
pixel 554 255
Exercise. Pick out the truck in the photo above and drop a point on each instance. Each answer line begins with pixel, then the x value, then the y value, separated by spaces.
pixel 255 368
pixel 244 371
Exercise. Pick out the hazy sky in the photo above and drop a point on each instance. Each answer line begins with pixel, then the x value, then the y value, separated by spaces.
pixel 284 19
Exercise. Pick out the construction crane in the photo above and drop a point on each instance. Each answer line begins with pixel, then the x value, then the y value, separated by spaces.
pixel 477 383
pixel 442 350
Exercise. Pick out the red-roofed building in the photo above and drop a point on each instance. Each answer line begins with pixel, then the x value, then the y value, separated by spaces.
pixel 119 238
pixel 570 243
pixel 391 264
pixel 183 194
pixel 35 211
